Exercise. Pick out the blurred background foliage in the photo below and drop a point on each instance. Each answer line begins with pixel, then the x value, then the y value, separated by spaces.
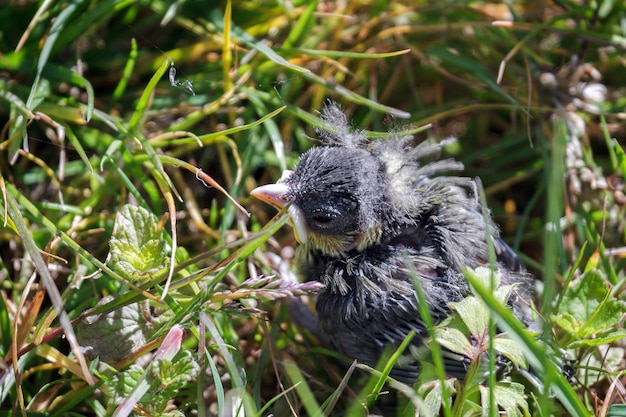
pixel 103 102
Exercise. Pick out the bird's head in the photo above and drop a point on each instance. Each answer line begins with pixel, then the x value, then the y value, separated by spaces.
pixel 337 198
pixel 351 192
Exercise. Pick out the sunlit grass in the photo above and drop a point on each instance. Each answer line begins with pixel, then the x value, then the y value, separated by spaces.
pixel 181 108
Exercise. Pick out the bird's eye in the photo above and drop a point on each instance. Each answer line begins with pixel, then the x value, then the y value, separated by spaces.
pixel 324 216
pixel 331 217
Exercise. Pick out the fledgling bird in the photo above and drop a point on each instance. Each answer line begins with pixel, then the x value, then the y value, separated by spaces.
pixel 361 210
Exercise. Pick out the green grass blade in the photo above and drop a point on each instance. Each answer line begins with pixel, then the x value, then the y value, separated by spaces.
pixel 302 26
pixel 303 390
pixel 535 353
pixel 126 74
pixel 137 119
pixel 51 289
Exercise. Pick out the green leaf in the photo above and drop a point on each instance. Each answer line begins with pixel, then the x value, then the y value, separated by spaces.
pixel 608 314
pixel 432 399
pixel 512 350
pixel 115 335
pixel 38 94
pixel 585 295
pixel 474 314
pixel 302 26
pixel 617 410
pixel 126 74
pixel 176 374
pixel 509 397
pixel 346 54
pixel 503 293
pixel 145 100
pixel 168 349
pixel 567 322
pixel 587 308
pixel 535 352
pixel 605 338
pixel 621 158
pixel 122 384
pixel 137 246
pixel 454 340
pixel 485 276
pixel 302 389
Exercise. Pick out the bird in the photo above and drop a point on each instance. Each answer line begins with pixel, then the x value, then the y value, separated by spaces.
pixel 370 214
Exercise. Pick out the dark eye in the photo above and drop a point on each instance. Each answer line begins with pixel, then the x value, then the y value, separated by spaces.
pixel 325 215
pixel 331 216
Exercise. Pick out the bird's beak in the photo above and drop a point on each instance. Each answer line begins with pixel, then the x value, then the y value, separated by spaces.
pixel 276 196
pixel 272 194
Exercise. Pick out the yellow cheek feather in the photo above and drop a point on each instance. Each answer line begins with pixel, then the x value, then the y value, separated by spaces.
pixel 339 245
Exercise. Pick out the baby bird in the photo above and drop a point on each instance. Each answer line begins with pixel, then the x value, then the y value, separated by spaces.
pixel 371 214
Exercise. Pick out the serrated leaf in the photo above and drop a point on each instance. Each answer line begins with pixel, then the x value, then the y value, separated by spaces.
pixel 509 397
pixel 484 276
pixel 122 384
pixel 492 279
pixel 175 374
pixel 587 309
pixel 503 293
pixel 512 350
pixel 584 296
pixel 432 401
pixel 165 377
pixel 137 246
pixel 474 314
pixel 607 315
pixel 536 353
pixel 174 413
pixel 168 349
pixel 430 390
pixel 114 335
pixel 454 340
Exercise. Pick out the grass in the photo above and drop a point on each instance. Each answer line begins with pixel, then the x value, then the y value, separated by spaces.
pixel 133 132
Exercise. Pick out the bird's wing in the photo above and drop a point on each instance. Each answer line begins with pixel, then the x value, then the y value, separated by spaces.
pixel 507 257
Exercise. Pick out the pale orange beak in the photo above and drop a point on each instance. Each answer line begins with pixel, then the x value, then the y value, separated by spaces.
pixel 276 196
pixel 272 194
